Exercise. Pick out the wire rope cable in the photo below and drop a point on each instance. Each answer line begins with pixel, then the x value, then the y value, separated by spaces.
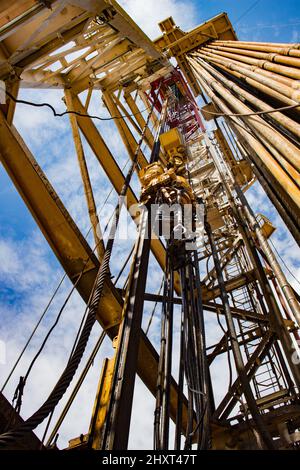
pixel 73 363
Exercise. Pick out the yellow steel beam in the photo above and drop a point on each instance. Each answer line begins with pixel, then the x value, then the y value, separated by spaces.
pixel 125 133
pixel 101 404
pixel 178 43
pixel 61 232
pixel 232 284
pixel 121 21
pixel 52 42
pixel 102 152
pixel 129 115
pixel 10 105
pixel 139 118
pixel 91 205
pixel 114 173
pixel 115 49
pixel 144 99
pixel 70 246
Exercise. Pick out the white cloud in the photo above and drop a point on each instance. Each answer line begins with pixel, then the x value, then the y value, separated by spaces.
pixel 31 282
pixel 295 36
pixel 148 14
pixel 27 267
pixel 281 238
pixel 18 271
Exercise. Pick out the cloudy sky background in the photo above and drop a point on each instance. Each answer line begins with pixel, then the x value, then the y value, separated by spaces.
pixel 29 272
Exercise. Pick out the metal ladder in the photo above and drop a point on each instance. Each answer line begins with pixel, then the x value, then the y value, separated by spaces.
pixel 268 381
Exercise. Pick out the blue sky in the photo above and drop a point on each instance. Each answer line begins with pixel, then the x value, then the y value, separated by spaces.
pixel 264 20
pixel 267 20
pixel 28 268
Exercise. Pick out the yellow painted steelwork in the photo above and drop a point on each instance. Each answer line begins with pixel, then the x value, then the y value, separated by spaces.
pixel 103 49
pixel 171 139
pixel 266 226
pixel 178 43
pixel 156 177
pixel 101 404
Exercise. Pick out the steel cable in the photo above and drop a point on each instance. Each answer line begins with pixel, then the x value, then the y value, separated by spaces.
pixel 73 363
pixel 76 113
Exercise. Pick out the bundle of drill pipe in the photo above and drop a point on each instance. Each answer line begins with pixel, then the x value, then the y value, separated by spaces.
pixel 243 78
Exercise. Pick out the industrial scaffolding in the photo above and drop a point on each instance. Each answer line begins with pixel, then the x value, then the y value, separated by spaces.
pixel 216 259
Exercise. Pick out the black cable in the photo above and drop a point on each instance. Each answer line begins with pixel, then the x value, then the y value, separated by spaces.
pixel 89 363
pixel 154 308
pixel 124 265
pixel 72 365
pixel 22 381
pixel 32 333
pixel 246 12
pixel 56 114
pixel 66 377
pixel 288 269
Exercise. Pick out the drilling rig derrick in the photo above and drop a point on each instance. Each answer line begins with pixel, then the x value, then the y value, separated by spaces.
pixel 199 135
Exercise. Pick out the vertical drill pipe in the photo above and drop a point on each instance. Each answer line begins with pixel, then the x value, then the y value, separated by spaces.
pixel 186 315
pixel 279 274
pixel 241 149
pixel 185 338
pixel 189 361
pixel 255 150
pixel 283 49
pixel 285 121
pixel 164 365
pixel 270 186
pixel 204 436
pixel 289 151
pixel 271 87
pixel 233 142
pixel 266 438
pixel 263 64
pixel 273 308
pixel 116 428
pixel 168 361
pixel 258 85
pixel 194 358
pixel 282 300
pixel 196 383
pixel 276 57
pixel 178 430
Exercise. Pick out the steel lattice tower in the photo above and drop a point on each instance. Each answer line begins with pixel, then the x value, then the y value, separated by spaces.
pixel 221 272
